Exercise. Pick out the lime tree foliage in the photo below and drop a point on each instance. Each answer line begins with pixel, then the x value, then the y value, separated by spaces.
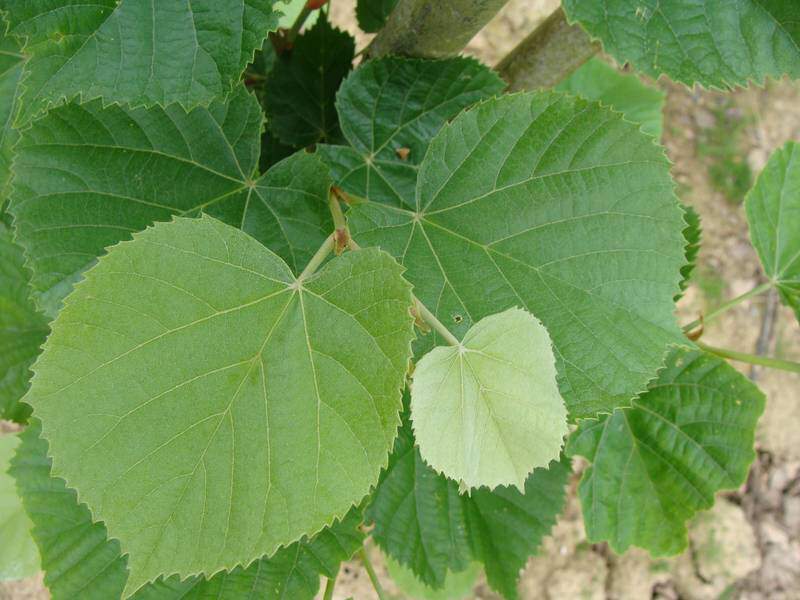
pixel 262 297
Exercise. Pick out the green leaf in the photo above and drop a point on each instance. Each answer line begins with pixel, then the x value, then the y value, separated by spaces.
pixel 556 205
pixel 773 214
pixel 18 555
pixel 457 586
pixel 656 464
pixel 488 412
pixel 11 64
pixel 227 407
pixel 624 92
pixel 422 522
pixel 137 53
pixel 716 43
pixel 80 561
pixel 22 329
pixel 372 14
pixel 301 88
pixel 87 177
pixel 396 104
pixel 692 233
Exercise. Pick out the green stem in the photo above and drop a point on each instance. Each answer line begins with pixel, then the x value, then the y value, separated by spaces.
pixel 425 314
pixel 329 588
pixel 291 35
pixel 727 306
pixel 336 210
pixel 431 320
pixel 753 359
pixel 372 576
pixel 318 258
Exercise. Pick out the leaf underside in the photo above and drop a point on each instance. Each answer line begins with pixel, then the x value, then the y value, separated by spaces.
pixel 88 177
pixel 657 463
pixel 80 561
pixel 773 215
pixel 560 207
pixel 137 53
pixel 488 412
pixel 226 408
pixel 716 43
pixel 422 522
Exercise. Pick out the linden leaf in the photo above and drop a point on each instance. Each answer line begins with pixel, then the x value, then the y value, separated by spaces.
pixel 716 43
pixel 80 561
pixel 657 463
pixel 372 14
pixel 22 329
pixel 11 63
pixel 230 408
pixel 488 412
pixel 87 177
pixel 301 87
pixel 18 555
pixel 773 214
pixel 423 522
pixel 389 110
pixel 134 52
pixel 557 205
pixel 624 92
pixel 693 234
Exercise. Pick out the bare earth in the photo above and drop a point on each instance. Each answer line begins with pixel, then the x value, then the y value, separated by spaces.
pixel 748 545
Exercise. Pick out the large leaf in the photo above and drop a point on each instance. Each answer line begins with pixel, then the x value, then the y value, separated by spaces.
pixel 226 408
pixel 18 555
pixel 624 92
pixel 372 14
pixel 87 177
pixel 301 88
pixel 773 214
pixel 81 562
pixel 487 412
pixel 556 205
pixel 389 110
pixel 134 52
pixel 22 329
pixel 716 43
pixel 656 464
pixel 422 522
pixel 11 63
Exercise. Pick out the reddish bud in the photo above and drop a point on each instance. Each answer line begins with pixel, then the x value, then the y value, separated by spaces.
pixel 315 4
pixel 402 153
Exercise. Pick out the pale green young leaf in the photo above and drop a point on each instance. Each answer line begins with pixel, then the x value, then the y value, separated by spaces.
pixel 716 43
pixel 87 177
pixel 773 214
pixel 423 522
pixel 18 555
pixel 624 92
pixel 657 463
pixel 389 110
pixel 22 328
pixel 134 52
pixel 372 14
pixel 561 207
pixel 80 561
pixel 300 91
pixel 11 64
pixel 488 412
pixel 227 408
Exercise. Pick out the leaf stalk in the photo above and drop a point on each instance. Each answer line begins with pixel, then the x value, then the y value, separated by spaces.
pixel 753 359
pixel 318 258
pixel 723 308
pixel 373 577
pixel 329 588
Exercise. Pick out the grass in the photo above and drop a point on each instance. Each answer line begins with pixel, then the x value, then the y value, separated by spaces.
pixel 721 148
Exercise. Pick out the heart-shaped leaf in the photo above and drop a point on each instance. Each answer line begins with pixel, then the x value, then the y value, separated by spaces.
pixel 773 214
pixel 487 412
pixel 225 408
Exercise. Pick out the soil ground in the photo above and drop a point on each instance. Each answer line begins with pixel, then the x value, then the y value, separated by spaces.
pixel 748 546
